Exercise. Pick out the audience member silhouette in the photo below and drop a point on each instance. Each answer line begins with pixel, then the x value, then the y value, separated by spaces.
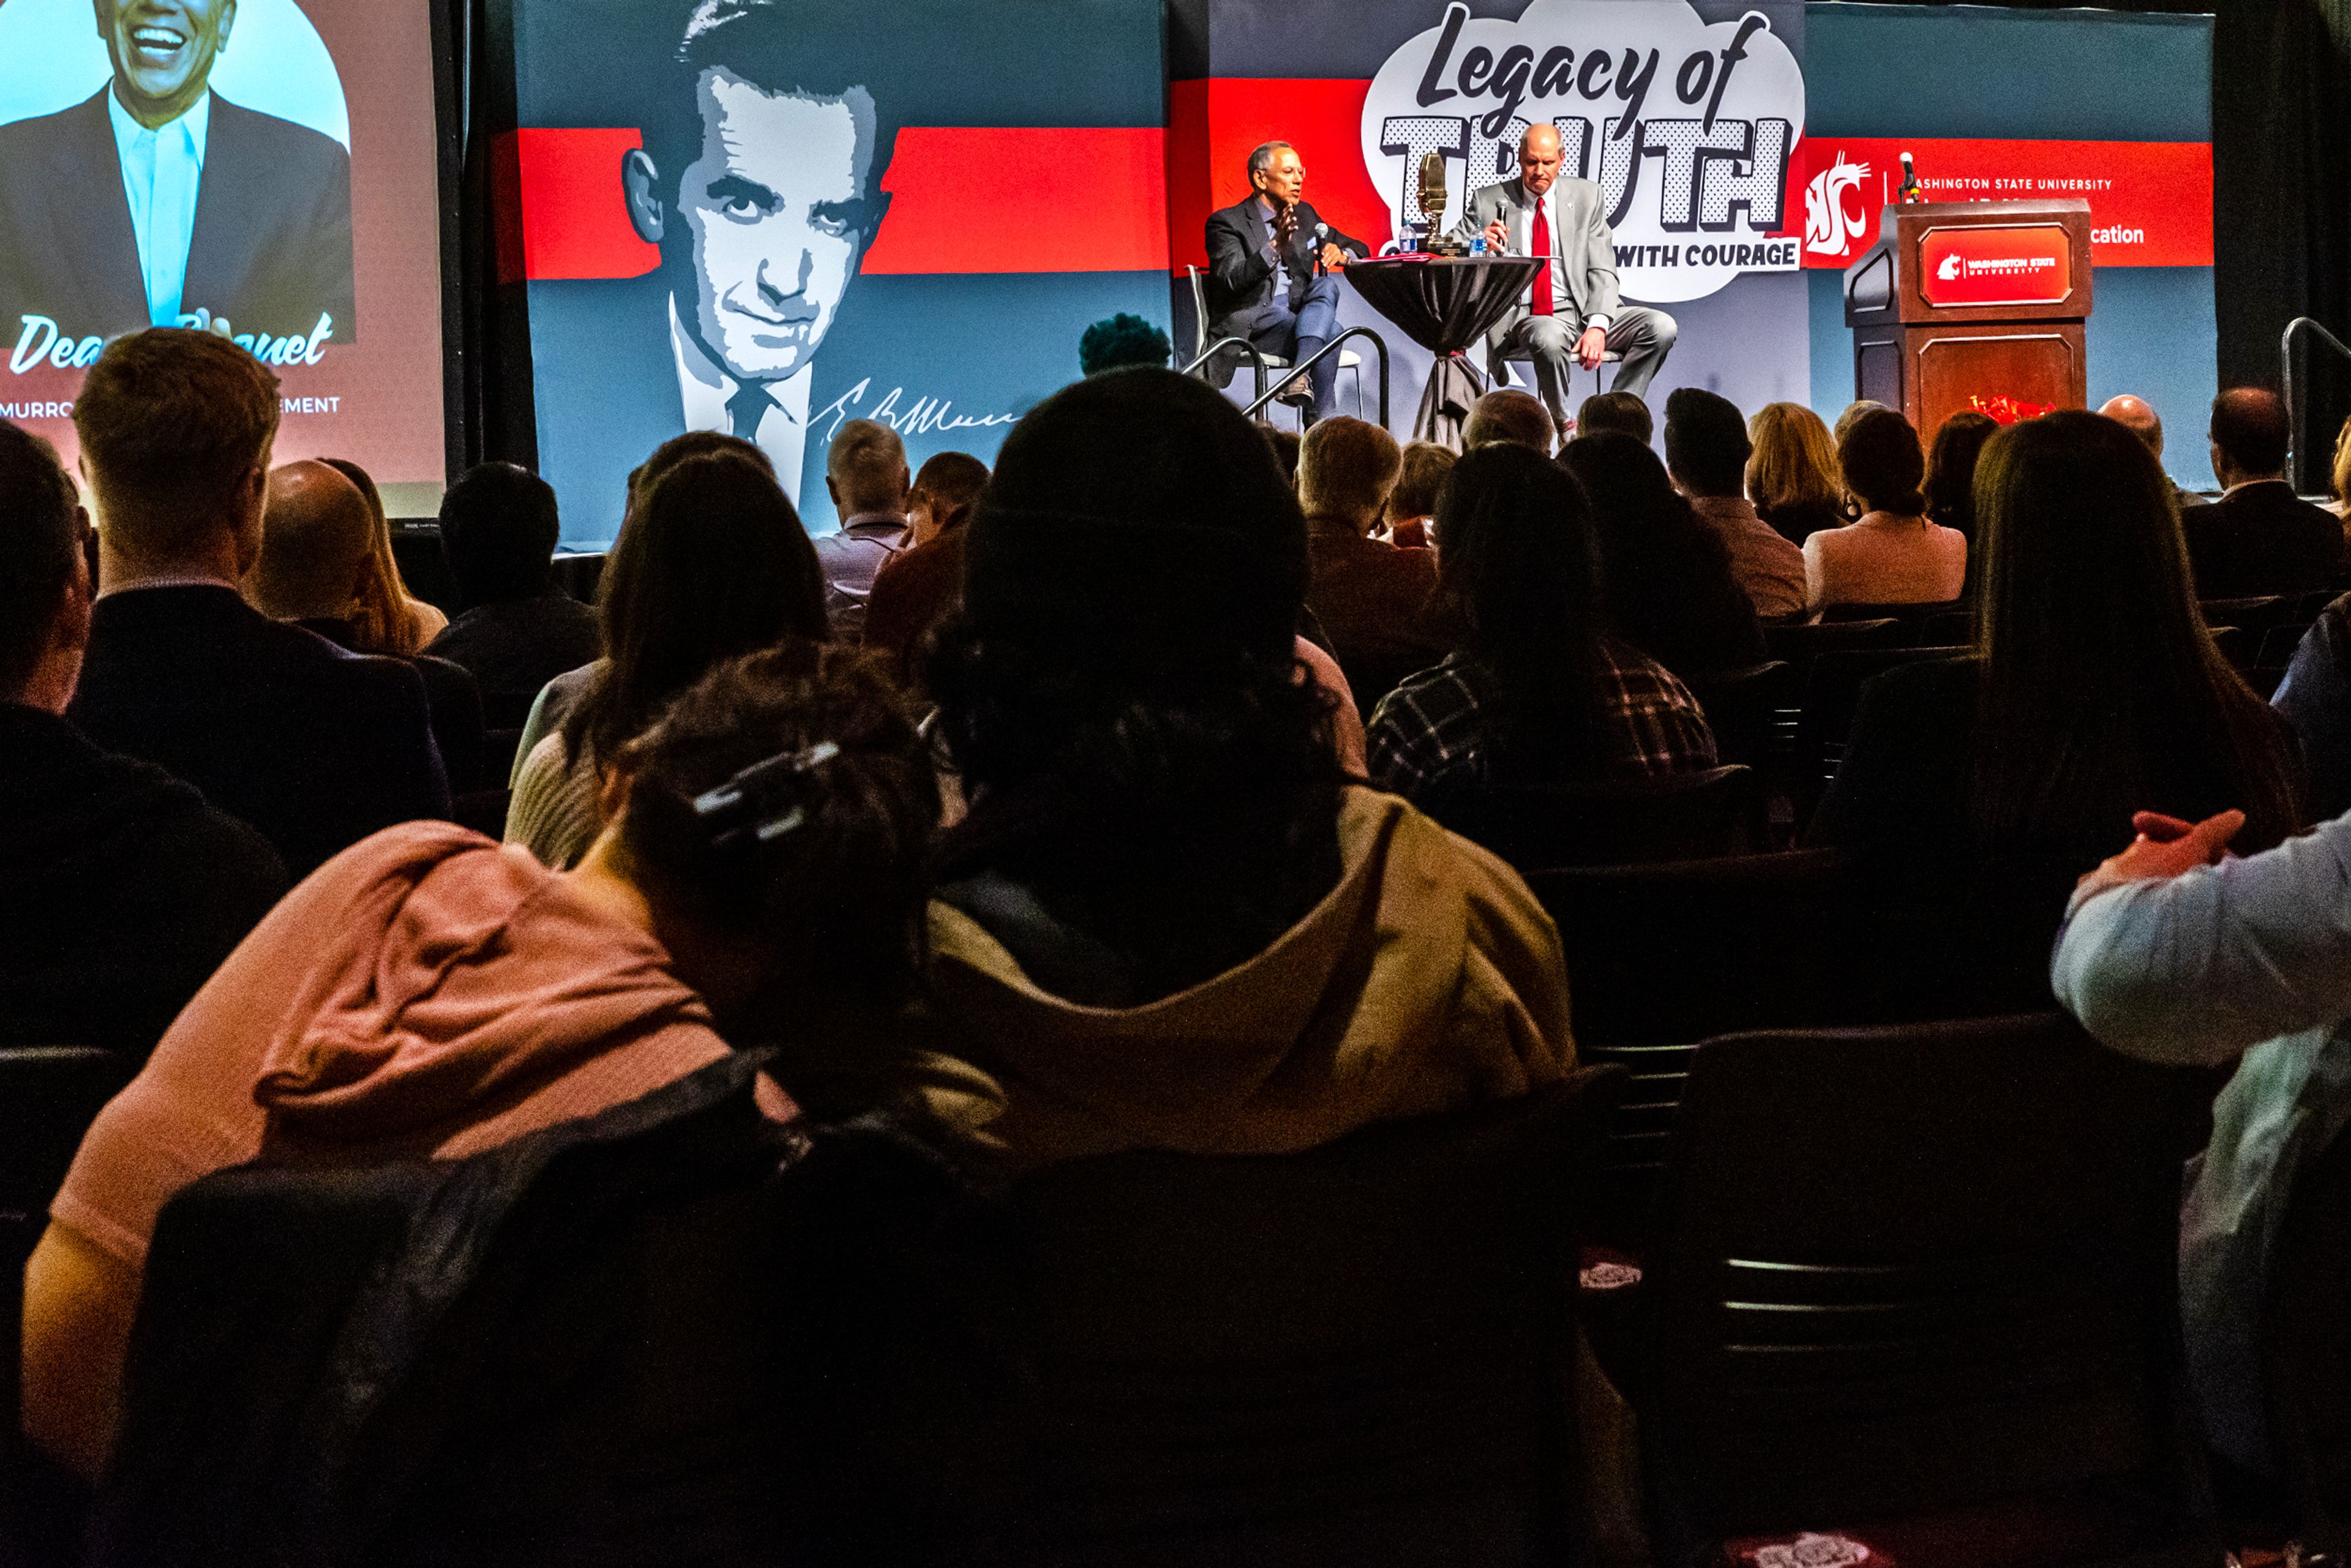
pixel 1665 579
pixel 1542 694
pixel 515 630
pixel 1167 920
pixel 1793 476
pixel 427 995
pixel 712 563
pixel 1981 786
pixel 2259 537
pixel 1891 554
pixel 1706 450
pixel 315 746
pixel 125 890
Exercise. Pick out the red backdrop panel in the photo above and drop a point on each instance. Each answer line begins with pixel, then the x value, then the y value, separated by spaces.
pixel 1216 122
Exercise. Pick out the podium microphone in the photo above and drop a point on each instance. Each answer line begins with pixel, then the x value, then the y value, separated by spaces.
pixel 1910 191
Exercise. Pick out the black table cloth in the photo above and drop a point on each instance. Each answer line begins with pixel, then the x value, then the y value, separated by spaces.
pixel 1445 305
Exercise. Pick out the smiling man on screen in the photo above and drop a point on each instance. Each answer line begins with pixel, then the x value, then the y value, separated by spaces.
pixel 158 202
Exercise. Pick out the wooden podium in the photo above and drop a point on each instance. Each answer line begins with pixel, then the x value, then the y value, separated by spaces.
pixel 1978 305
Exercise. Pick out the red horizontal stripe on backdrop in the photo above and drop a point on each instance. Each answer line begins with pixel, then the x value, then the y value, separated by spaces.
pixel 962 200
pixel 2151 202
pixel 1216 122
pixel 568 205
pixel 1024 199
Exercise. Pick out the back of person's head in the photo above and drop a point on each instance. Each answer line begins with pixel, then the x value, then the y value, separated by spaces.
pixel 1284 446
pixel 2250 429
pixel 693 443
pixel 2099 677
pixel 1853 411
pixel 711 564
pixel 1118 688
pixel 384 616
pixel 44 584
pixel 1883 467
pixel 499 527
pixel 949 485
pixel 1950 487
pixel 1794 463
pixel 1706 443
pixel 1122 341
pixel 1630 494
pixel 866 468
pixel 1519 564
pixel 786 799
pixel 2139 416
pixel 317 544
pixel 176 428
pixel 1622 413
pixel 1652 548
pixel 1508 415
pixel 1345 469
pixel 1422 475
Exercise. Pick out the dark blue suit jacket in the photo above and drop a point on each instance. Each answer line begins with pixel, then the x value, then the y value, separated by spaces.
pixel 315 746
pixel 272 245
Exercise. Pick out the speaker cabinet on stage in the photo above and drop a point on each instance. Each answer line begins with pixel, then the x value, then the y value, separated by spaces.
pixel 1978 305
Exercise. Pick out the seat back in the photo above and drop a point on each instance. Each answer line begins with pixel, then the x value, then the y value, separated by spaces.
pixel 2253 616
pixel 1356 1354
pixel 1741 706
pixel 2307 1351
pixel 1674 816
pixel 1950 629
pixel 1905 1271
pixel 1663 956
pixel 1833 695
pixel 1912 616
pixel 1801 641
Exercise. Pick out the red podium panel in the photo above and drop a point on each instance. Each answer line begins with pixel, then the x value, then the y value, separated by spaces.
pixel 1977 304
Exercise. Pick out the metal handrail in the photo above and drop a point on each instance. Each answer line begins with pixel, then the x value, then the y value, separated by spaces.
pixel 1317 356
pixel 2300 324
pixel 1256 358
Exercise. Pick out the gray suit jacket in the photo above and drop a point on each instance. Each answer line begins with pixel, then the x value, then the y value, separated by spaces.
pixel 1582 249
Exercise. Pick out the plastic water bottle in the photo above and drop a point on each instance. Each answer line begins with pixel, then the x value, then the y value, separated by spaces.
pixel 1478 246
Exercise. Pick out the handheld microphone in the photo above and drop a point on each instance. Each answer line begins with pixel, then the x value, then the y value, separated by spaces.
pixel 1321 234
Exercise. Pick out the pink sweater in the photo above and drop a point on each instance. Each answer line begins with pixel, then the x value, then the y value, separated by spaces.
pixel 1885 560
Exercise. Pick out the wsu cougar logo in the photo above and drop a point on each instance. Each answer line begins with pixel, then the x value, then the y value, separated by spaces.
pixel 1830 226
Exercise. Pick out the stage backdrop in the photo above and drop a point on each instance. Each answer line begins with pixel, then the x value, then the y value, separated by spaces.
pixel 801 270
pixel 1991 103
pixel 307 223
pixel 1687 114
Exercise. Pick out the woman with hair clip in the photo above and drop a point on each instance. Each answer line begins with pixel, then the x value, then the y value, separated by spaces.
pixel 427 994
pixel 712 563
pixel 1977 790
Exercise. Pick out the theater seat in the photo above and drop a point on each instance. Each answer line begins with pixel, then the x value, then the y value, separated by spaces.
pixel 1914 1287
pixel 1674 816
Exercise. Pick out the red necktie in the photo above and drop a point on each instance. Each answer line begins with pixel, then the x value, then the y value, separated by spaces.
pixel 1542 302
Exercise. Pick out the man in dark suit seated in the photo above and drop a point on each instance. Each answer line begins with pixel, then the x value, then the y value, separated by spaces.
pixel 317 533
pixel 315 746
pixel 499 528
pixel 159 201
pixel 1272 263
pixel 2259 537
pixel 124 890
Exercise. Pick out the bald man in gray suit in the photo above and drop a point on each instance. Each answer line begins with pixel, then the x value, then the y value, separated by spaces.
pixel 1581 319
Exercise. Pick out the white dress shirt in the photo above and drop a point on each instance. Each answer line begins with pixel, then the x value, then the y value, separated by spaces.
pixel 161 172
pixel 1563 298
pixel 706 391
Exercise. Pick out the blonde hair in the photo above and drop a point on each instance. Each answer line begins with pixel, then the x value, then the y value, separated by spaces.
pixel 2342 464
pixel 384 618
pixel 1793 464
pixel 1346 468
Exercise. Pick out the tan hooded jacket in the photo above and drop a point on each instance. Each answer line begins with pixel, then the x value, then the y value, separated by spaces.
pixel 1428 980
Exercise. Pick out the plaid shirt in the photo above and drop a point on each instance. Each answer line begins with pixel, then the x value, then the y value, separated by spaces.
pixel 1430 730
